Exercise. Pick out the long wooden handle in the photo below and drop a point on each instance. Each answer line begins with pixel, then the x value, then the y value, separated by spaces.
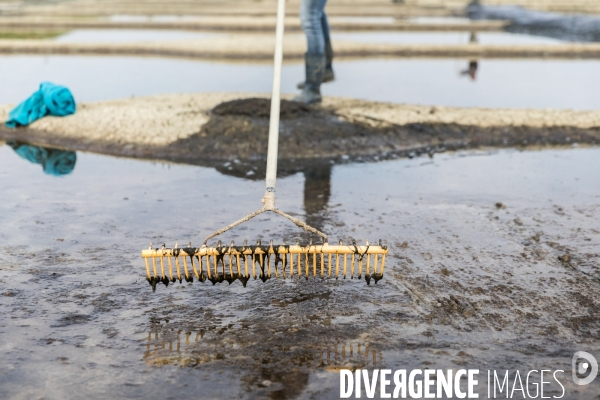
pixel 275 100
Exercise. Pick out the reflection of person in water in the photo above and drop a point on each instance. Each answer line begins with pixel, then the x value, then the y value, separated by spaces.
pixel 53 161
pixel 473 64
pixel 471 70
pixel 317 189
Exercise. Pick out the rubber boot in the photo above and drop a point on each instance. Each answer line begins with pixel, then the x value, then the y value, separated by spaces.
pixel 315 68
pixel 328 75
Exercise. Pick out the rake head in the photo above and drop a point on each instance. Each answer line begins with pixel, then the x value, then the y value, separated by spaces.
pixel 230 263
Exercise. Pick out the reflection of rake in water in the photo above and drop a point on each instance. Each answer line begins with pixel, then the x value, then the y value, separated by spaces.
pixel 314 256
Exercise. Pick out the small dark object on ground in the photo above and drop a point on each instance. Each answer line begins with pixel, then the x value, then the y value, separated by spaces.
pixel 565 258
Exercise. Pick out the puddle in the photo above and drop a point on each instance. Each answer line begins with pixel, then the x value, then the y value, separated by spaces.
pixel 478 233
pixel 156 35
pixel 491 38
pixel 440 20
pixel 128 36
pixel 362 20
pixel 497 83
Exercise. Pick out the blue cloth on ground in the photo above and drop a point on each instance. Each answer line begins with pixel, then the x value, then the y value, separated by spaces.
pixel 51 99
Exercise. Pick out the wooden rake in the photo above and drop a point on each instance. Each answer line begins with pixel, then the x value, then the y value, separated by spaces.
pixel 230 263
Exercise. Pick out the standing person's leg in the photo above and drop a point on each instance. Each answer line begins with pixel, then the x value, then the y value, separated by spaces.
pixel 328 76
pixel 311 13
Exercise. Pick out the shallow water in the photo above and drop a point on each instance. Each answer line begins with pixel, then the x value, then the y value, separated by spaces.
pixel 144 35
pixel 190 18
pixel 490 38
pixel 440 20
pixel 128 35
pixel 362 20
pixel 498 83
pixel 78 319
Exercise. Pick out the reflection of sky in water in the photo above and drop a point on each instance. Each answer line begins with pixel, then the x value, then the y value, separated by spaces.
pixel 500 83
pixel 491 38
pixel 530 177
pixel 153 35
pixel 440 20
pixel 129 35
pixel 362 20
pixel 561 175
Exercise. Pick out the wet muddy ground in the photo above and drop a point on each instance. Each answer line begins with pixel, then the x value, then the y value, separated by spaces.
pixel 494 264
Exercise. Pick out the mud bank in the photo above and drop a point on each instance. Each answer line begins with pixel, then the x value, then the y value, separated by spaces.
pixel 260 48
pixel 241 24
pixel 92 8
pixel 212 129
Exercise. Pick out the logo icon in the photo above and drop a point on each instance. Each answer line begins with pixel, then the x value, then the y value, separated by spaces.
pixel 584 364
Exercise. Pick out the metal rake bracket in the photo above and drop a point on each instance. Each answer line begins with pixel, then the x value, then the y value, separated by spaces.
pixel 269 205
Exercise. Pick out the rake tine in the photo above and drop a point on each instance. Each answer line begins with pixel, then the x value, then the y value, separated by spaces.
pixel 283 264
pixel 368 264
pixel 208 267
pixel 261 260
pixel 237 262
pixel 382 263
pixel 329 266
pixel 230 263
pixel 345 262
pixel 178 269
pixel 216 266
pixel 194 267
pixel 200 270
pixel 269 251
pixel 162 266
pixel 185 268
pixel 352 267
pixel 299 259
pixel 306 264
pixel 246 266
pixel 170 269
pixel 223 263
pixel 154 264
pixel 322 256
pixel 147 269
pixel 360 266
